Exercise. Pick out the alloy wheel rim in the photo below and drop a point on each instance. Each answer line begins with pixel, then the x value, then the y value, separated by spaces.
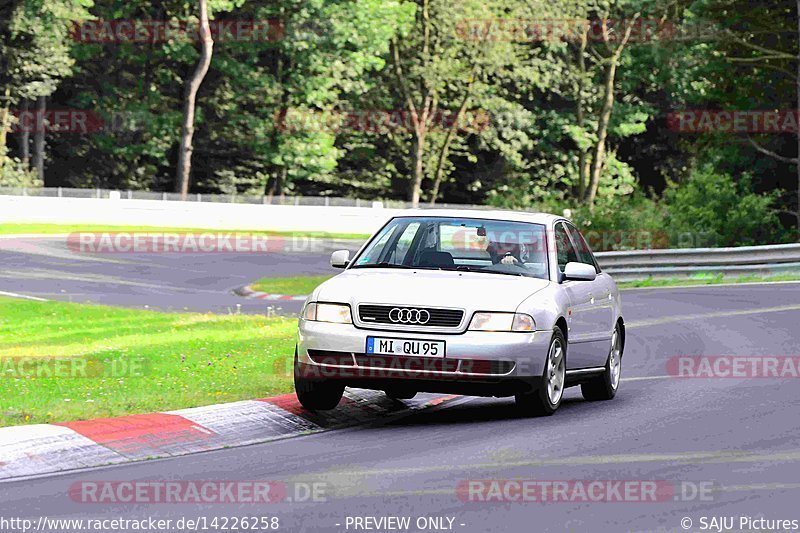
pixel 555 372
pixel 615 359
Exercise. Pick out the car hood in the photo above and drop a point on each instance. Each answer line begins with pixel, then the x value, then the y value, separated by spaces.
pixel 433 288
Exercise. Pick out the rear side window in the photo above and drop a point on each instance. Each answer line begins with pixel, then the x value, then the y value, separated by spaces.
pixel 565 249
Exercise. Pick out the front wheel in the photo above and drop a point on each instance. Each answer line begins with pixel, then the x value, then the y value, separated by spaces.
pixel 546 398
pixel 316 394
pixel 604 386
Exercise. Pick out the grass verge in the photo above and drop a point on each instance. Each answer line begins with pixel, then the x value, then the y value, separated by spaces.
pixel 123 361
pixel 290 286
pixel 50 229
pixel 706 280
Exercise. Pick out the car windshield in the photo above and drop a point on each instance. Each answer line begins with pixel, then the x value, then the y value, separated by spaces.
pixel 459 244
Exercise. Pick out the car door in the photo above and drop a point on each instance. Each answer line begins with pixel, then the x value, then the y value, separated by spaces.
pixel 579 316
pixel 601 314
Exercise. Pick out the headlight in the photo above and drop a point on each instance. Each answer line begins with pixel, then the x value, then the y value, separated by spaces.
pixel 336 313
pixel 502 322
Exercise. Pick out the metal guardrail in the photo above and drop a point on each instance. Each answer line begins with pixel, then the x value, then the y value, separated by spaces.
pixel 320 201
pixel 741 261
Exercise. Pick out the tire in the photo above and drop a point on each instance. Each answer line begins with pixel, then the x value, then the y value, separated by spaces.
pixel 316 394
pixel 546 397
pixel 399 394
pixel 605 386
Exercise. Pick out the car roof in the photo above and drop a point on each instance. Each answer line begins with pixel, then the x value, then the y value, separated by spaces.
pixel 496 214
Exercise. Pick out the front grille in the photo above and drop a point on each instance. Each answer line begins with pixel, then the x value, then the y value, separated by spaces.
pixel 439 318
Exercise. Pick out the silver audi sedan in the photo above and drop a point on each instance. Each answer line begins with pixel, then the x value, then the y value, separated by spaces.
pixel 467 302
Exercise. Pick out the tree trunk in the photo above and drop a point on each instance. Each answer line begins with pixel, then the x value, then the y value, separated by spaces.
pixel 583 156
pixel 445 151
pixel 421 120
pixel 598 159
pixel 4 114
pixel 602 133
pixel 25 138
pixel 190 98
pixel 38 137
pixel 798 130
pixel 419 154
pixel 277 185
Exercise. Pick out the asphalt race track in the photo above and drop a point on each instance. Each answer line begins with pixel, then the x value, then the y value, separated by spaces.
pixel 46 267
pixel 736 439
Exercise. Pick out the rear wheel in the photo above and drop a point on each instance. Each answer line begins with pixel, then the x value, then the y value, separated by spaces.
pixel 604 386
pixel 546 398
pixel 316 394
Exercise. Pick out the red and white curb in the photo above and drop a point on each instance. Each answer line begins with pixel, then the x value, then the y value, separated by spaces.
pixel 248 292
pixel 49 448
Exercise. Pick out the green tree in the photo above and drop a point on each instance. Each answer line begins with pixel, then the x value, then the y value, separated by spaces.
pixel 725 210
pixel 35 46
pixel 329 56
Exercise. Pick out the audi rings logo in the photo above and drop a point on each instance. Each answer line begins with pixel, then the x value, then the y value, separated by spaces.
pixel 409 316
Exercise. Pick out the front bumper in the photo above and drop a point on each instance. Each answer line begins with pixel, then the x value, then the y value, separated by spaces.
pixel 338 351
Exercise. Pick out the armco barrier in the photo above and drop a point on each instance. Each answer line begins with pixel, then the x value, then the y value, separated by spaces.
pixel 741 261
pixel 201 215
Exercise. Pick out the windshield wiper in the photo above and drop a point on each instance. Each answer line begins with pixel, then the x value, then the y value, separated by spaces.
pixel 465 268
pixel 382 265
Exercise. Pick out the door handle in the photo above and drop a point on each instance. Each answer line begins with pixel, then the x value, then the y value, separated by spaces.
pixel 591 298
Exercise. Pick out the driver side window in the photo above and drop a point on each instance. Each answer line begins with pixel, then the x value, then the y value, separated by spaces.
pixel 585 255
pixel 564 248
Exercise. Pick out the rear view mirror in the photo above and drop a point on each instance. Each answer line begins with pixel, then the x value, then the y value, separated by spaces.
pixel 340 259
pixel 579 272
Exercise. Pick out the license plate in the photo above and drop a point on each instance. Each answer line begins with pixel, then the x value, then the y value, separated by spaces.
pixel 406 347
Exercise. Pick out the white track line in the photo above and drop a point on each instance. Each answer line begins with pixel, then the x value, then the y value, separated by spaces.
pixel 717 314
pixel 22 296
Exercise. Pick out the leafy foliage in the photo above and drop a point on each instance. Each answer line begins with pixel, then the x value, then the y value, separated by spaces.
pixel 519 115
pixel 727 213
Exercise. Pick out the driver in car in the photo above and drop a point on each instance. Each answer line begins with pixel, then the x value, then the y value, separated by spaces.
pixel 505 253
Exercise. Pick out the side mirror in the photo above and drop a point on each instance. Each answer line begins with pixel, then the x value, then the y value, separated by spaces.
pixel 579 272
pixel 340 259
